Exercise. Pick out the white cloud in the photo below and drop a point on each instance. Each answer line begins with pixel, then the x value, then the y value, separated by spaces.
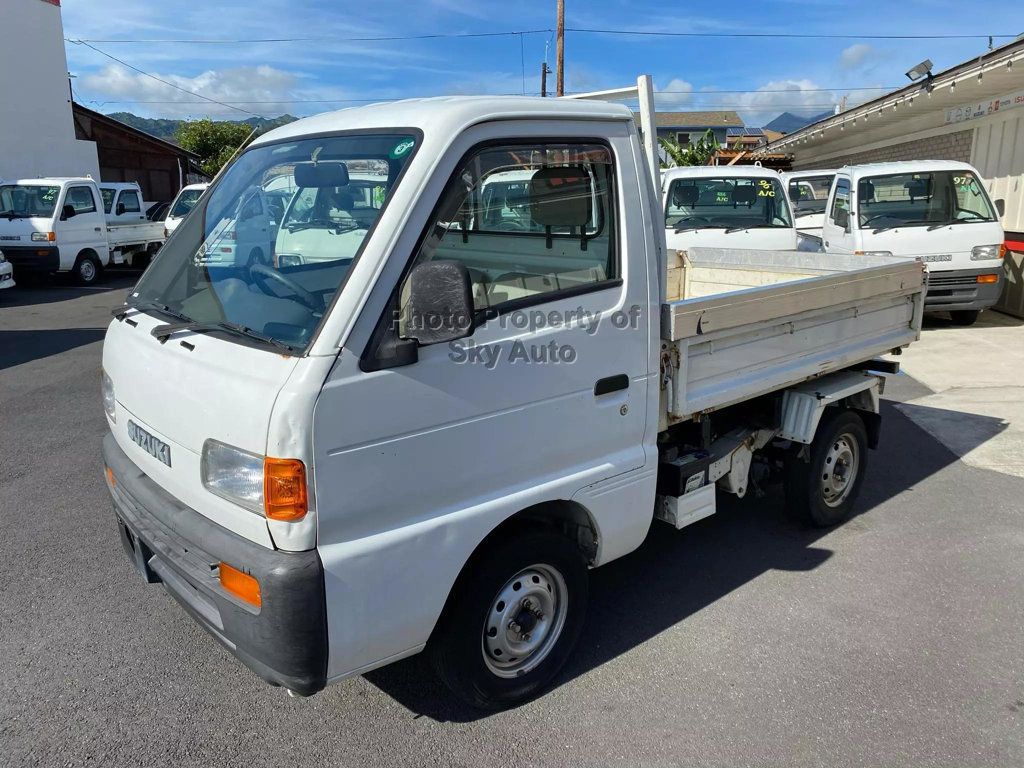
pixel 677 93
pixel 855 56
pixel 271 87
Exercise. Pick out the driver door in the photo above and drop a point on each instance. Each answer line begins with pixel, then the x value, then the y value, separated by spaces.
pixel 837 228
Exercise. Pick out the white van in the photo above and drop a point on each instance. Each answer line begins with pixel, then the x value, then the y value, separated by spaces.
pixel 937 210
pixel 727 207
pixel 183 203
pixel 60 225
pixel 808 194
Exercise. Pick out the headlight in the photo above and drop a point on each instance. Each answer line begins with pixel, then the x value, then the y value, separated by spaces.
pixel 233 474
pixel 44 237
pixel 289 260
pixel 986 252
pixel 107 388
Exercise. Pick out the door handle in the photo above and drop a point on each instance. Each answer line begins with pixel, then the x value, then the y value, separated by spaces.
pixel 611 384
pixel 97 229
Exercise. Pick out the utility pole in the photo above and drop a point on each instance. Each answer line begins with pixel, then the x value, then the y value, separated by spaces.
pixel 545 70
pixel 560 51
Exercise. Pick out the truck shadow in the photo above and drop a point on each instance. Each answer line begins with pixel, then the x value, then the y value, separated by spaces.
pixel 18 347
pixel 54 288
pixel 675 574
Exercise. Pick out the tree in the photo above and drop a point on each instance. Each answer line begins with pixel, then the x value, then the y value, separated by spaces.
pixel 697 153
pixel 214 141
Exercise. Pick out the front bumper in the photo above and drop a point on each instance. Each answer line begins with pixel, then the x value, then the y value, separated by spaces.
pixel 955 289
pixel 41 258
pixel 284 641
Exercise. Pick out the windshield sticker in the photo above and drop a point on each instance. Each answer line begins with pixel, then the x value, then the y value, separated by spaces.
pixel 721 197
pixel 402 148
pixel 765 188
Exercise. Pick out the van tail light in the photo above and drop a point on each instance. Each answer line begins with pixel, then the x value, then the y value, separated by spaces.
pixel 284 489
pixel 241 585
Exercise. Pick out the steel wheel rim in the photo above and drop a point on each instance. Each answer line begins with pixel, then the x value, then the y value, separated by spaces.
pixel 839 471
pixel 87 270
pixel 524 621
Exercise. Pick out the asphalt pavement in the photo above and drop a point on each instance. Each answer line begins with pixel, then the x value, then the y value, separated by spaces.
pixel 896 639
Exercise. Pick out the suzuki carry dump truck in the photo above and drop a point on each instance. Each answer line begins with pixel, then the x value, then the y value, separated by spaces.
pixel 421 430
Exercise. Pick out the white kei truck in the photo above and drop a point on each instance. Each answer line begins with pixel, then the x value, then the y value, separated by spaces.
pixel 742 206
pixel 935 210
pixel 421 438
pixel 74 225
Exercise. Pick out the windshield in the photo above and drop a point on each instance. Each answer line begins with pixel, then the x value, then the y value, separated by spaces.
pixel 921 199
pixel 28 200
pixel 726 202
pixel 108 198
pixel 809 194
pixel 184 203
pixel 236 262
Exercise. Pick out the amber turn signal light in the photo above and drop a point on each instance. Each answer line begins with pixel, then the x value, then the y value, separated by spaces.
pixel 988 278
pixel 241 585
pixel 284 489
pixel 110 477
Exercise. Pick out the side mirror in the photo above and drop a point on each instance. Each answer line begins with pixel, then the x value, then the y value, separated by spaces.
pixel 120 209
pixel 438 305
pixel 67 212
pixel 794 195
pixel 1001 207
pixel 843 219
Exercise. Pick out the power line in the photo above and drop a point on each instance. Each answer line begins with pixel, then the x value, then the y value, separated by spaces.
pixel 512 33
pixel 168 83
pixel 320 38
pixel 798 35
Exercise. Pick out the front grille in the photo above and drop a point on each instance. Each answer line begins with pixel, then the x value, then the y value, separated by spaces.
pixel 952 281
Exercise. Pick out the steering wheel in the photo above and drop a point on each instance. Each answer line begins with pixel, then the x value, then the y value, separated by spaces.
pixel 308 299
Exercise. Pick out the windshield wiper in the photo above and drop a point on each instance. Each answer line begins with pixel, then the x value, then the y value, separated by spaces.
pixel 739 229
pixel 142 306
pixel 685 229
pixel 11 215
pixel 163 332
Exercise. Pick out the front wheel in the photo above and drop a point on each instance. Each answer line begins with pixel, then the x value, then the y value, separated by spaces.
pixel 87 269
pixel 964 317
pixel 512 620
pixel 822 483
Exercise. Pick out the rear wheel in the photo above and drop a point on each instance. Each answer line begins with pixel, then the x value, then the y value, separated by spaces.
pixel 964 317
pixel 512 620
pixel 87 269
pixel 822 482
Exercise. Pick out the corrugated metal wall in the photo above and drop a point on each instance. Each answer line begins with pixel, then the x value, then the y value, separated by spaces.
pixel 998 153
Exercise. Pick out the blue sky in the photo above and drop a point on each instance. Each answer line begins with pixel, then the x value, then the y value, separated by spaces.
pixel 775 75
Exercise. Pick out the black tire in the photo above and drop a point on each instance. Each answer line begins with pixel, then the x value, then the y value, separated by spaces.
pixel 458 645
pixel 87 269
pixel 255 257
pixel 812 476
pixel 964 317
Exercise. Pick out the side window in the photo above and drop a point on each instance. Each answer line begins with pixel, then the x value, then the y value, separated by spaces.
pixel 528 221
pixel 81 199
pixel 840 213
pixel 251 209
pixel 130 199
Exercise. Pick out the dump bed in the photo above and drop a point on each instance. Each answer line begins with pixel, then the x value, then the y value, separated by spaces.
pixel 741 323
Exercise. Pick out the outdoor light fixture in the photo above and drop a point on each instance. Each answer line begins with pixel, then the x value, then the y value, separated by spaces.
pixel 924 69
pixel 952 88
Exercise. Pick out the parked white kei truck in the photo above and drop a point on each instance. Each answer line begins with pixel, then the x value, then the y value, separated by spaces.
pixel 183 203
pixel 422 438
pixel 935 210
pixel 60 225
pixel 727 207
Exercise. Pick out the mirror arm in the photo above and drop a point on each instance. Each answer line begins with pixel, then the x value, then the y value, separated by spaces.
pixel 391 352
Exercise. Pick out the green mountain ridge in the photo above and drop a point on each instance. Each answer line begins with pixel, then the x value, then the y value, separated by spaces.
pixel 167 129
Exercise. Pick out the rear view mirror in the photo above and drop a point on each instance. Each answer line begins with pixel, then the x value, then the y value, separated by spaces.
pixel 439 303
pixel 67 212
pixel 326 173
pixel 1001 207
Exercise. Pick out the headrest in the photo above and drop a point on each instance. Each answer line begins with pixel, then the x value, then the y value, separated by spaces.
pixel 684 195
pixel 744 194
pixel 918 187
pixel 865 191
pixel 343 200
pixel 560 196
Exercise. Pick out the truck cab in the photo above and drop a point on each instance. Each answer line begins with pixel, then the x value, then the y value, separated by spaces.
pixel 936 210
pixel 727 207
pixel 183 203
pixel 808 194
pixel 53 225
